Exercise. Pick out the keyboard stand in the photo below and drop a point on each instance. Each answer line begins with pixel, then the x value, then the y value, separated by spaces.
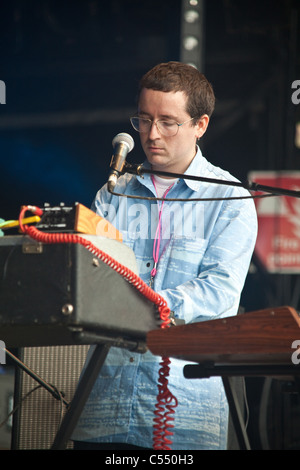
pixel 81 395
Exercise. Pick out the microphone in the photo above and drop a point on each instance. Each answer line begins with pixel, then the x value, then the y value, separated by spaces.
pixel 123 144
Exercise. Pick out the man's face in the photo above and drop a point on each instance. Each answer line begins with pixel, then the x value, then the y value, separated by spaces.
pixel 173 154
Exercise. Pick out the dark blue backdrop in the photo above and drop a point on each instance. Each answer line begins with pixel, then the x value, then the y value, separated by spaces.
pixel 71 70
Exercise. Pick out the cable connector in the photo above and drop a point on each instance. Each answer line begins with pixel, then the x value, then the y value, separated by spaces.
pixel 35 210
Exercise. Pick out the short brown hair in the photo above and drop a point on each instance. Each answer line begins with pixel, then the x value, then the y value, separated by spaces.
pixel 177 76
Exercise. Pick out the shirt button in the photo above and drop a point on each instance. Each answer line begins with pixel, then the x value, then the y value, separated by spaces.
pixel 131 359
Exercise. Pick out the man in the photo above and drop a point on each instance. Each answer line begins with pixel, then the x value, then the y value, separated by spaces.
pixel 195 254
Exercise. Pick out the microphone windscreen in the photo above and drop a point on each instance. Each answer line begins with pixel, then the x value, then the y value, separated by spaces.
pixel 123 138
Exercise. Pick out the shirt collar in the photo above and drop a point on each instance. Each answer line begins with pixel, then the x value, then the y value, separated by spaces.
pixel 195 169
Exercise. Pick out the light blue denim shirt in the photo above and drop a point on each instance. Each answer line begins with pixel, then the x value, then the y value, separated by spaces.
pixel 205 252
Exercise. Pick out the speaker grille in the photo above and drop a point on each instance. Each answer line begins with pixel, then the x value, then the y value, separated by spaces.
pixel 40 414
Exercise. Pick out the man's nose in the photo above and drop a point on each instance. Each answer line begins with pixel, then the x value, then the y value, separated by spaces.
pixel 154 132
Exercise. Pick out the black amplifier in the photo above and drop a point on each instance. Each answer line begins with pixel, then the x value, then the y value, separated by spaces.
pixel 62 294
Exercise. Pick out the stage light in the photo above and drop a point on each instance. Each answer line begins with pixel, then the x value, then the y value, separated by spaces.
pixel 191 16
pixel 190 43
pixel 191 50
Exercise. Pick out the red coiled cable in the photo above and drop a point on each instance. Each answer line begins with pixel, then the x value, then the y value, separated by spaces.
pixel 166 402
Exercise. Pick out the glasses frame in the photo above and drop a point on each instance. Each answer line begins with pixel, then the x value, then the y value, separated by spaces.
pixel 157 125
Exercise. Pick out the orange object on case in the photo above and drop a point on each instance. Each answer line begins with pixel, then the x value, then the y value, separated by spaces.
pixel 87 221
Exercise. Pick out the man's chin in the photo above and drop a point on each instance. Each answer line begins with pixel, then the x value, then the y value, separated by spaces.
pixel 157 162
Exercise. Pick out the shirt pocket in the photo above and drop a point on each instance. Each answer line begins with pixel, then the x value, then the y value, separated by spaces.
pixel 182 259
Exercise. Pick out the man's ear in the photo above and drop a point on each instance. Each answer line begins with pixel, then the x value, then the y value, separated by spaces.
pixel 202 125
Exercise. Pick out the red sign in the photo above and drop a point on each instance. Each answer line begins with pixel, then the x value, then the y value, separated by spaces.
pixel 278 240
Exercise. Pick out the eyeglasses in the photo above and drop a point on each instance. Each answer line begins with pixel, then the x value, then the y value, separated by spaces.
pixel 168 128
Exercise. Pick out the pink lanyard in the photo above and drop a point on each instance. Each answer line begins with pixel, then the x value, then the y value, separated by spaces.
pixel 156 244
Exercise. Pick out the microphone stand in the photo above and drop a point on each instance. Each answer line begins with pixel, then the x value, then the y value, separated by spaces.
pixel 250 186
